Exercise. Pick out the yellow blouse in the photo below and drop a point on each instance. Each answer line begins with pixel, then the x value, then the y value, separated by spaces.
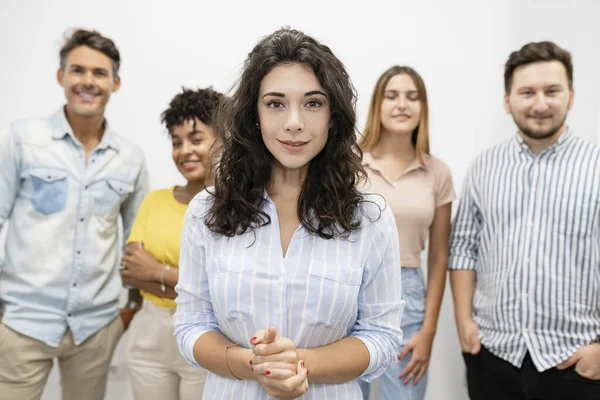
pixel 158 224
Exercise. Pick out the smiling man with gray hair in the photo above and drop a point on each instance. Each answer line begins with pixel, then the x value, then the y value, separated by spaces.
pixel 64 182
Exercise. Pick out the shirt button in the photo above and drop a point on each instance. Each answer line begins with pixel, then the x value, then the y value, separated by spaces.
pixel 81 219
pixel 78 252
pixel 278 311
pixel 69 314
pixel 74 284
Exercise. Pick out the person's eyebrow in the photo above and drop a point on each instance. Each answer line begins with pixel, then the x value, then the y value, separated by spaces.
pixel 274 94
pixel 314 92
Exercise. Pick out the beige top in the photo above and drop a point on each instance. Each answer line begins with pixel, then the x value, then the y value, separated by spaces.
pixel 413 198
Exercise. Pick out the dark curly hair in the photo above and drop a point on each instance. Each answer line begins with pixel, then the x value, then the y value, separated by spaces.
pixel 329 200
pixel 192 104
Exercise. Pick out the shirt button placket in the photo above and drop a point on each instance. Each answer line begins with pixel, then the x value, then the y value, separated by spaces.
pixel 530 237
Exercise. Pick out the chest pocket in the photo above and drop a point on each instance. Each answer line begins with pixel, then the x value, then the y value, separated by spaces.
pixel 232 279
pixel 577 215
pixel 332 298
pixel 108 195
pixel 50 189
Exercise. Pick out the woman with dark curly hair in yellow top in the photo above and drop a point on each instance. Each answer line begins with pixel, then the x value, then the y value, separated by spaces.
pixel 150 263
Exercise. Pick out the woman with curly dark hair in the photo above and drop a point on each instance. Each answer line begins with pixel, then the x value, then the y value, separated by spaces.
pixel 285 265
pixel 156 368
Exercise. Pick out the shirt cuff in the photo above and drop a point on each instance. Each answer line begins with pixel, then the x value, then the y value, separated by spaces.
pixel 187 347
pixel 382 354
pixel 456 262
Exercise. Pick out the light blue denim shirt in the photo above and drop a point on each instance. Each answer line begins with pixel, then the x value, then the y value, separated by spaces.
pixel 62 249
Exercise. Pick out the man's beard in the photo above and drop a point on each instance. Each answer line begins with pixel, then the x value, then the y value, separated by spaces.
pixel 553 130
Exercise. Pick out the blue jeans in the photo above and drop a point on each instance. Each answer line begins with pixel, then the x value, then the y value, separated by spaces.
pixel 392 388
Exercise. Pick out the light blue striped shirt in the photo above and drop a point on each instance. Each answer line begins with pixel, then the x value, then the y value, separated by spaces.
pixel 530 226
pixel 62 250
pixel 320 292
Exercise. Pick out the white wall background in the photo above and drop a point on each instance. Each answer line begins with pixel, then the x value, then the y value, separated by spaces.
pixel 458 46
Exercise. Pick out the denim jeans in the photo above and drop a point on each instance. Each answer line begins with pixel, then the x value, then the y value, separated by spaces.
pixel 390 387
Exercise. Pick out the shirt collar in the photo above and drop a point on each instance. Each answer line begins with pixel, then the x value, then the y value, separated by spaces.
pixel 557 147
pixel 62 128
pixel 369 161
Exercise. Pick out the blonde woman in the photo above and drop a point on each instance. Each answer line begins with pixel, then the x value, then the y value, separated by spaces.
pixel 418 188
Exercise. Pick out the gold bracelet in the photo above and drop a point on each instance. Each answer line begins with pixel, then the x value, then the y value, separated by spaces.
pixel 227 364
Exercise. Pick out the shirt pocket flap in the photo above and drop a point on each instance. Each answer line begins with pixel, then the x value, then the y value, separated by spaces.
pixel 353 276
pixel 120 186
pixel 350 276
pixel 234 264
pixel 48 174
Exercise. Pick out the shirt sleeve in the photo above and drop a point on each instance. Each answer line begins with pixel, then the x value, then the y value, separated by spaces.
pixel 444 190
pixel 9 173
pixel 466 227
pixel 380 303
pixel 130 206
pixel 194 316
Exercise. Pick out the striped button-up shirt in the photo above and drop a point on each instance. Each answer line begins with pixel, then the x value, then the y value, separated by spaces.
pixel 529 225
pixel 319 293
pixel 62 249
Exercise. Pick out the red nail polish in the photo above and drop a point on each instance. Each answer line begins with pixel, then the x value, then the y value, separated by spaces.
pixel 253 369
pixel 250 362
pixel 306 372
pixel 267 372
pixel 302 364
pixel 399 358
pixel 253 339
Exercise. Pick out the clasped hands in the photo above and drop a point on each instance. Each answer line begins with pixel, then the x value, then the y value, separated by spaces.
pixel 277 365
